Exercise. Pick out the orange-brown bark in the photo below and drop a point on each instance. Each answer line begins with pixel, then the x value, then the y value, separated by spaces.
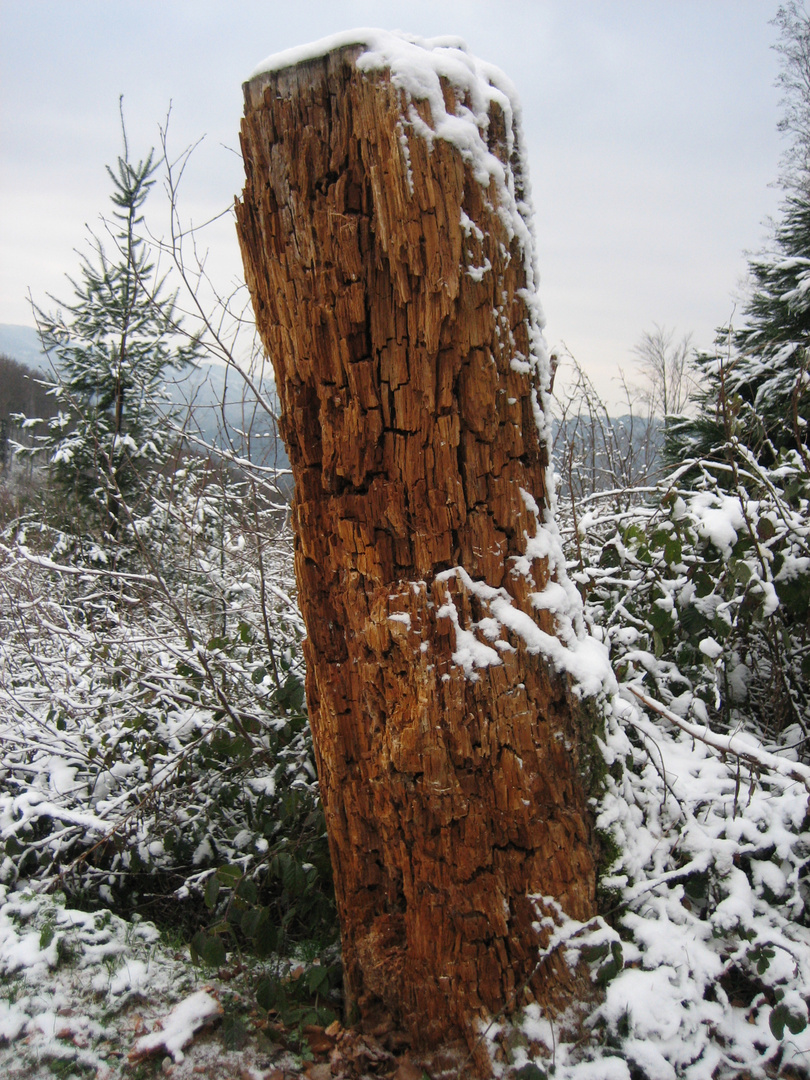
pixel 390 293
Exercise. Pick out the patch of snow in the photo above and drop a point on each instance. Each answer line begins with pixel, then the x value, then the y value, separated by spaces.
pixel 477 272
pixel 133 977
pixel 179 1027
pixel 710 648
pixel 719 519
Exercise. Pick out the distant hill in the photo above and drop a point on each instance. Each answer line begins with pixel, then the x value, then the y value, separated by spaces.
pixel 21 343
pixel 202 391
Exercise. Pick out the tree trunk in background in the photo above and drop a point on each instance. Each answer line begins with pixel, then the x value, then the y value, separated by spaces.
pixel 390 290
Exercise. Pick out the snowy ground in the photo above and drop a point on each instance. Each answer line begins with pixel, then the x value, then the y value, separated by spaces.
pixel 90 995
pixel 705 968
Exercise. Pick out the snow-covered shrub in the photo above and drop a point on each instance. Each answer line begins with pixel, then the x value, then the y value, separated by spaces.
pixel 700 590
pixel 699 586
pixel 152 719
pixel 709 896
pixel 703 594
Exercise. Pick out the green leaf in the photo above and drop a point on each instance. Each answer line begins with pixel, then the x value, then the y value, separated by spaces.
pixel 782 1016
pixel 246 889
pixel 741 570
pixel 673 552
pixel 696 886
pixel 609 556
pixel 763 951
pixel 291 695
pixel 317 978
pixel 258 675
pixel 265 936
pixel 230 876
pixel 776 1021
pixel 213 952
pixel 795 594
pixel 211 891
pixel 632 533
pixel 326 1016
pixel 278 864
pixel 267 994
pixel 250 921
pixel 233 1033
pixel 239 748
pixel 611 968
pixel 592 953
pixel 703 582
pixel 196 946
pixel 795 1023
pixel 221 743
pixel 13 846
pixel 530 1071
pixel 660 619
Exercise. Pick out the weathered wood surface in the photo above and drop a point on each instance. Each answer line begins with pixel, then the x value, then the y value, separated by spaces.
pixel 389 292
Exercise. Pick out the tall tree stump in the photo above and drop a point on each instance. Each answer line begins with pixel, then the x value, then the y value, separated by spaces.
pixel 387 247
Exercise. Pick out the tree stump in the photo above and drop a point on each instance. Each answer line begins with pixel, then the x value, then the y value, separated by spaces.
pixel 387 246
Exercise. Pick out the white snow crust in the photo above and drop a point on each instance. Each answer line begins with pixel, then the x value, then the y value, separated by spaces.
pixel 372 38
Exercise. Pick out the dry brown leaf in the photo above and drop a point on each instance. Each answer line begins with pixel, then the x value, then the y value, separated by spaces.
pixel 408 1071
pixel 320 1044
pixel 322 1071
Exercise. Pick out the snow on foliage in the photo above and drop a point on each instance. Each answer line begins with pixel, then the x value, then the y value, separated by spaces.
pixel 91 994
pixel 711 907
pixel 61 969
pixel 152 717
pixel 699 589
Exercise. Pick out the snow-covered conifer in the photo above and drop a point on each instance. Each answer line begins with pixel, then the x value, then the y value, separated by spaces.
pixel 756 381
pixel 112 347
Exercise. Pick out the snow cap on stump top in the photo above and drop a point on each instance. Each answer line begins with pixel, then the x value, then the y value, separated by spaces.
pixel 418 67
pixel 416 64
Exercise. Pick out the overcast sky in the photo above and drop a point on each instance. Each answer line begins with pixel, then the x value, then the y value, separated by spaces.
pixel 650 126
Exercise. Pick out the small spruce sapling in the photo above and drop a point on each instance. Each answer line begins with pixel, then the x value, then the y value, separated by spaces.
pixel 112 348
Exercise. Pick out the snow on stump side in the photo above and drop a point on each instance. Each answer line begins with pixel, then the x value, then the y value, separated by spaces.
pixel 385 235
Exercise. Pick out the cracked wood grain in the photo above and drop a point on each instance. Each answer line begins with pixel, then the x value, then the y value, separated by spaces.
pixel 451 796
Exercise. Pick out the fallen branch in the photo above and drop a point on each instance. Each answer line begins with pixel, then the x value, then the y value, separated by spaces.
pixel 756 758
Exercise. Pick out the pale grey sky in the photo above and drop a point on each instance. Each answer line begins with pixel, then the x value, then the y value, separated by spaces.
pixel 650 127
